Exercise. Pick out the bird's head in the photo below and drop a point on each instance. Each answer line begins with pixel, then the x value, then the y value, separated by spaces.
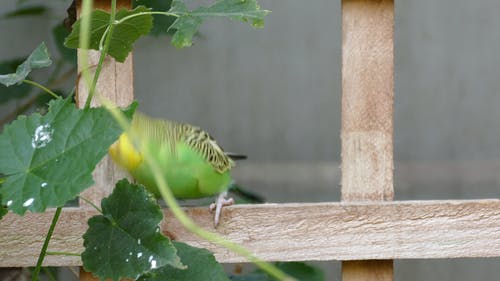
pixel 125 154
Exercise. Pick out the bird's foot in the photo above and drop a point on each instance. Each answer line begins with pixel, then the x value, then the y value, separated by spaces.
pixel 217 206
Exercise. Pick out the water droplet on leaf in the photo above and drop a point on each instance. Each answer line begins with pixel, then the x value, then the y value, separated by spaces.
pixel 42 136
pixel 153 264
pixel 28 202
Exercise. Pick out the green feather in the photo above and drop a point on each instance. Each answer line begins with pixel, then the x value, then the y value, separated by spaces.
pixel 193 164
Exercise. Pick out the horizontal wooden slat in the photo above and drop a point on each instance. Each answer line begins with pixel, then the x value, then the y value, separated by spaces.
pixel 310 231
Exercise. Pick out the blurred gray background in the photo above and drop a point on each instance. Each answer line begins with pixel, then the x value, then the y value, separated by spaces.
pixel 274 94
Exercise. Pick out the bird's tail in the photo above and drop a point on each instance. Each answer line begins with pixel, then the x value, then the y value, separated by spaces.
pixel 236 156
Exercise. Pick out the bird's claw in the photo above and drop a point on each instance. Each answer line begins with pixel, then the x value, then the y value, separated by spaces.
pixel 217 206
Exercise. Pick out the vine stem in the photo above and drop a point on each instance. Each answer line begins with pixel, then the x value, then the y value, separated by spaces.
pixel 49 274
pixel 164 189
pixel 146 13
pixel 43 252
pixel 91 203
pixel 105 42
pixel 207 235
pixel 45 89
pixel 180 214
pixel 104 50
pixel 84 43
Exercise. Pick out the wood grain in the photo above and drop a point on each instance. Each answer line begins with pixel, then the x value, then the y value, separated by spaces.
pixel 292 232
pixel 367 114
pixel 115 83
pixel 367 100
pixel 372 270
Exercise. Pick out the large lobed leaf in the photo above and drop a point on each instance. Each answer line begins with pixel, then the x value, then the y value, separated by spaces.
pixel 125 241
pixel 183 27
pixel 201 266
pixel 124 34
pixel 48 160
pixel 37 59
pixel 188 22
pixel 59 32
pixel 302 271
pixel 161 23
pixel 18 92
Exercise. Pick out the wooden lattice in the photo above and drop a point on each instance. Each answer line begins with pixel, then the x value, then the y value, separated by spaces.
pixel 366 230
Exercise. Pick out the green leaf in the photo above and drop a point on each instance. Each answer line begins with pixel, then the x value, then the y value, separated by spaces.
pixel 302 271
pixel 42 99
pixel 201 266
pixel 188 22
pixel 60 33
pixel 243 10
pixel 8 93
pixel 3 210
pixel 124 34
pixel 39 58
pixel 251 277
pixel 26 11
pixel 161 23
pixel 125 241
pixel 299 270
pixel 49 159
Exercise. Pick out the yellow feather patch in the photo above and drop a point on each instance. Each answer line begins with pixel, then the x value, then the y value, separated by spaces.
pixel 124 153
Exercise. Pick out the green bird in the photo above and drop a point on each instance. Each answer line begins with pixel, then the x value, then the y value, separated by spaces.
pixel 193 164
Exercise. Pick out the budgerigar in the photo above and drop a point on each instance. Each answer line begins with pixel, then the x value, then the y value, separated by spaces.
pixel 193 164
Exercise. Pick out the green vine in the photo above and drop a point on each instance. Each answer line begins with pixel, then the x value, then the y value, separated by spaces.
pixel 181 215
pixel 54 95
pixel 43 252
pixel 54 156
pixel 103 48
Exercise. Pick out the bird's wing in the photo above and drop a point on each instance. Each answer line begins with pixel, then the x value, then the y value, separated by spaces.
pixel 170 133
pixel 204 144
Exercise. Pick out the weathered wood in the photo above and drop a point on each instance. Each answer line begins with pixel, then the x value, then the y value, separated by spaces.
pixel 372 270
pixel 86 276
pixel 367 126
pixel 115 83
pixel 321 231
pixel 367 100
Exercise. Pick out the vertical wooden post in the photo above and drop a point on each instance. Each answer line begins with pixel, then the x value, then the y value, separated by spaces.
pixel 367 115
pixel 116 84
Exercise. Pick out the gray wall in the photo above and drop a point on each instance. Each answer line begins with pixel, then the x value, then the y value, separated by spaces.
pixel 274 94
